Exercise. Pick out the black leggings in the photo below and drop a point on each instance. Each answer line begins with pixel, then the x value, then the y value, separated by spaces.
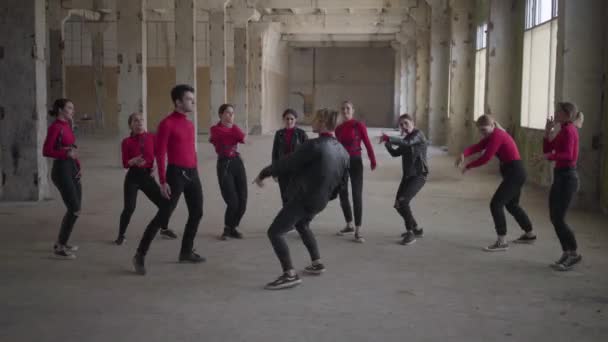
pixel 408 188
pixel 180 180
pixel 292 213
pixel 355 173
pixel 565 185
pixel 233 185
pixel 283 185
pixel 135 180
pixel 507 195
pixel 65 177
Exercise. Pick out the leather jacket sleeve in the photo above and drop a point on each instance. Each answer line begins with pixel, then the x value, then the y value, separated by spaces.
pixel 416 139
pixel 295 161
pixel 275 147
pixel 395 152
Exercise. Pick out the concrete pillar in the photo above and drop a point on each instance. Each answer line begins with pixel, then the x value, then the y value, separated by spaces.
pixel 398 97
pixel 217 61
pixel 403 78
pixel 185 48
pixel 439 83
pixel 23 123
pixel 502 71
pixel 410 77
pixel 462 73
pixel 422 77
pixel 132 61
pixel 56 17
pixel 254 71
pixel 580 67
pixel 97 48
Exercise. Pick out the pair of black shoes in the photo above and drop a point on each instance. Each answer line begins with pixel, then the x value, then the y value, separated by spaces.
pixel 231 233
pixel 192 257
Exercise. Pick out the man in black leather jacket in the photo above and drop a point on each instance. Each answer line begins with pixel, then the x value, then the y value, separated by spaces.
pixel 317 171
pixel 412 149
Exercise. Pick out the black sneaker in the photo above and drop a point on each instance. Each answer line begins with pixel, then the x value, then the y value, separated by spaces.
pixel 285 281
pixel 418 233
pixel 120 240
pixel 525 238
pixel 315 269
pixel 191 258
pixel 408 239
pixel 346 230
pixel 168 234
pixel 235 234
pixel 226 234
pixel 138 264
pixel 61 254
pixel 497 247
pixel 560 260
pixel 66 247
pixel 569 263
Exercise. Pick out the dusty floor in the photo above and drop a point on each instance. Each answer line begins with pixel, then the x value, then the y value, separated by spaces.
pixel 442 288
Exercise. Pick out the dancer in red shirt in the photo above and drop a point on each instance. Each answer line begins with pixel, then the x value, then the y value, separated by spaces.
pixel 138 157
pixel 351 133
pixel 225 137
pixel 60 144
pixel 175 141
pixel 497 142
pixel 563 150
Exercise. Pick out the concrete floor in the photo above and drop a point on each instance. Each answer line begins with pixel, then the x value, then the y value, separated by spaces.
pixel 443 288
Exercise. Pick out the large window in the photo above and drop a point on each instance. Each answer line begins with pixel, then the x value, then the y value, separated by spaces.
pixel 480 70
pixel 540 49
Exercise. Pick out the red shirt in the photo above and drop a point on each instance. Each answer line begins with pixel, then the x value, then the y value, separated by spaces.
pixel 288 136
pixel 350 134
pixel 59 139
pixel 175 140
pixel 225 139
pixel 326 134
pixel 499 144
pixel 563 148
pixel 138 145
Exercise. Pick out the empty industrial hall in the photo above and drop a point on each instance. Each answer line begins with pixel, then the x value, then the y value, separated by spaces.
pixel 303 170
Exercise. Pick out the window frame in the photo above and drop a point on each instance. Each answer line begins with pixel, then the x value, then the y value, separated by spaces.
pixel 531 20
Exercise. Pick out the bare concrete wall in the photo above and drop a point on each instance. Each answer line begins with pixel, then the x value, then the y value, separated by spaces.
pixel 363 75
pixel 80 88
pixel 274 80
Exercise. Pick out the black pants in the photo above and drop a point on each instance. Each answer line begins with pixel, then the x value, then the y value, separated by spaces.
pixel 180 181
pixel 408 189
pixel 355 173
pixel 65 177
pixel 507 195
pixel 135 180
pixel 292 214
pixel 283 185
pixel 565 185
pixel 233 185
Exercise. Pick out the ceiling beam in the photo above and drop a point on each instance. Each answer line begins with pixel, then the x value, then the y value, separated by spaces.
pixel 337 37
pixel 329 4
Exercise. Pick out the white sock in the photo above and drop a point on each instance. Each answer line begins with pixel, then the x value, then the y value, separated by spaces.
pixel 502 239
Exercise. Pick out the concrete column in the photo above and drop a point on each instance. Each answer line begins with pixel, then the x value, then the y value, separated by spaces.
pixel 217 61
pixel 439 83
pixel 132 61
pixel 410 78
pixel 462 73
pixel 254 71
pixel 240 69
pixel 56 17
pixel 580 67
pixel 23 123
pixel 403 78
pixel 97 47
pixel 502 76
pixel 422 78
pixel 185 48
pixel 398 77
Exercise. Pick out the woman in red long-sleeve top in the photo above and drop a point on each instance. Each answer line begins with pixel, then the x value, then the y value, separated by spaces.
pixel 497 142
pixel 563 150
pixel 60 144
pixel 225 137
pixel 138 157
pixel 351 133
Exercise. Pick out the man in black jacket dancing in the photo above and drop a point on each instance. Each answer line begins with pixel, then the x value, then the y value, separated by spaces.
pixel 317 171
